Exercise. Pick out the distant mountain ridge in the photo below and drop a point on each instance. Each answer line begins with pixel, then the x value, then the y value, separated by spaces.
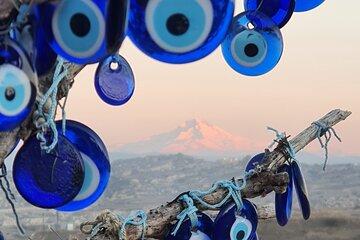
pixel 194 137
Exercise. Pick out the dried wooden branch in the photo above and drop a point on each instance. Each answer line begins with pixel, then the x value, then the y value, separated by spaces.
pixel 259 184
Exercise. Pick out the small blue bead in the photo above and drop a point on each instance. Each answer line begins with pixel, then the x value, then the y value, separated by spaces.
pixel 84 31
pixel 96 163
pixel 229 223
pixel 253 45
pixel 280 11
pixel 173 32
pixel 114 86
pixel 48 180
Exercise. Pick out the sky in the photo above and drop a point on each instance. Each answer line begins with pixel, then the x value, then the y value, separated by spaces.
pixel 318 72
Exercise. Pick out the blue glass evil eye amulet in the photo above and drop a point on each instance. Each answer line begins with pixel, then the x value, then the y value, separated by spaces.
pixel 175 31
pixel 280 11
pixel 233 225
pixel 96 164
pixel 283 201
pixel 253 45
pixel 17 85
pixel 203 231
pixel 114 80
pixel 84 31
pixel 48 180
pixel 306 5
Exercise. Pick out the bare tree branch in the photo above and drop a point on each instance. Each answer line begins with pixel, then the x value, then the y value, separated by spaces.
pixel 259 184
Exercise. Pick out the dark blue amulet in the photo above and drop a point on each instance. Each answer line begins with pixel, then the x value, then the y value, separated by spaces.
pixel 233 225
pixel 280 11
pixel 283 201
pixel 306 5
pixel 48 180
pixel 203 231
pixel 301 189
pixel 114 80
pixel 256 160
pixel 253 45
pixel 17 85
pixel 175 31
pixel 84 31
pixel 96 163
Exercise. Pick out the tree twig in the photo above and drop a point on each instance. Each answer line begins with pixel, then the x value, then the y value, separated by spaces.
pixel 259 184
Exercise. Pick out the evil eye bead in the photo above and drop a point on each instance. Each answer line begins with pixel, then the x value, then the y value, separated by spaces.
pixel 241 229
pixel 115 85
pixel 17 96
pixel 301 190
pixel 232 225
pixel 306 5
pixel 203 231
pixel 283 201
pixel 85 31
pixel 96 164
pixel 48 180
pixel 177 32
pixel 280 11
pixel 256 160
pixel 253 45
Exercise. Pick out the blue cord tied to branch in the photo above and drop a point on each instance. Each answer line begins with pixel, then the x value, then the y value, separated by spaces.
pixel 43 121
pixel 234 191
pixel 189 211
pixel 136 218
pixel 324 130
pixel 281 137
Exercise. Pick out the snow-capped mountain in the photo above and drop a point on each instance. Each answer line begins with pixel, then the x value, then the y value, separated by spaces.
pixel 196 138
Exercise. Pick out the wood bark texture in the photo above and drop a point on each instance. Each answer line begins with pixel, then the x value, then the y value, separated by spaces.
pixel 259 184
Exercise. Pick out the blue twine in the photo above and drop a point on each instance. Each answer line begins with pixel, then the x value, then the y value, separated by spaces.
pixel 189 211
pixel 234 191
pixel 52 94
pixel 281 136
pixel 132 219
pixel 324 130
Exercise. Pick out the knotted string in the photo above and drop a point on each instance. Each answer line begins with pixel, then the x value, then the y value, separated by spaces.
pixel 288 150
pixel 43 125
pixel 234 191
pixel 189 211
pixel 136 218
pixel 324 130
pixel 8 192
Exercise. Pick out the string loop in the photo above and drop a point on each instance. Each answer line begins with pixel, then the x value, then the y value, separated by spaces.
pixel 189 211
pixel 136 218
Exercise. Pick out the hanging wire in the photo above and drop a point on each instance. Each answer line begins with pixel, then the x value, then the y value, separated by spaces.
pixel 9 196
pixel 325 131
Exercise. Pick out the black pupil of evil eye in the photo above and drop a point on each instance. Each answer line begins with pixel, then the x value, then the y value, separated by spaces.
pixel 80 24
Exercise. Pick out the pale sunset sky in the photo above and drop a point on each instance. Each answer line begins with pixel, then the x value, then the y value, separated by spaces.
pixel 319 71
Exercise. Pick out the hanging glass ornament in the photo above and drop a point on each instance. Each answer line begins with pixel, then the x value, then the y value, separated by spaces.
pixel 176 32
pixel 96 164
pixel 48 180
pixel 114 80
pixel 306 5
pixel 256 160
pixel 253 45
pixel 301 189
pixel 185 232
pixel 231 224
pixel 280 11
pixel 18 82
pixel 283 202
pixel 84 31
